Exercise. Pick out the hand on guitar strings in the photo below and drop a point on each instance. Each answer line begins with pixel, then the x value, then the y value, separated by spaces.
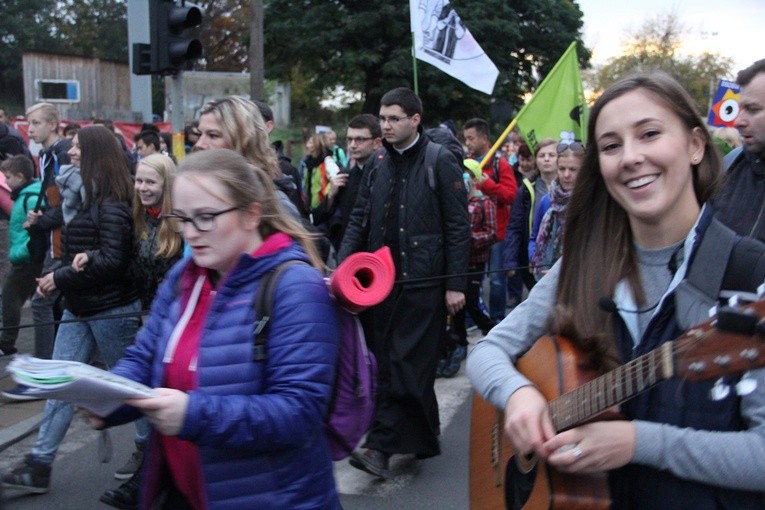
pixel 594 447
pixel 527 421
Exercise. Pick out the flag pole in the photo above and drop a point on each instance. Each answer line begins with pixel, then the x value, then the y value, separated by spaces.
pixel 500 140
pixel 414 66
pixel 512 124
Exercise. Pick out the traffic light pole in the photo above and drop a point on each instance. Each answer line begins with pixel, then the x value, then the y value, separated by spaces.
pixel 176 102
pixel 177 109
pixel 138 32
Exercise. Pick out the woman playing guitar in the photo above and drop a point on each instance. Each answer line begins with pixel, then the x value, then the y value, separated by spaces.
pixel 635 223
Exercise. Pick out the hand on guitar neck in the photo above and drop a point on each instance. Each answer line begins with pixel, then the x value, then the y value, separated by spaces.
pixel 594 447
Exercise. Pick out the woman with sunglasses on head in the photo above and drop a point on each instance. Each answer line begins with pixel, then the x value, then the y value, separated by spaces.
pixel 636 228
pixel 97 244
pixel 546 241
pixel 232 430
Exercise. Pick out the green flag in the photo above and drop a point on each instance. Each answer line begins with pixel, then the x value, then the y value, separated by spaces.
pixel 557 109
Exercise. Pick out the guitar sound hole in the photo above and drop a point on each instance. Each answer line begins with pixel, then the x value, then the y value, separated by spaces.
pixel 518 485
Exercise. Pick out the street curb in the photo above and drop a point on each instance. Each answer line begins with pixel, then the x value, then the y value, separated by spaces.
pixel 15 433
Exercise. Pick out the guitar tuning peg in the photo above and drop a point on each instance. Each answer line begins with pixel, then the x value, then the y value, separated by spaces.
pixel 761 291
pixel 734 301
pixel 719 391
pixel 712 311
pixel 746 386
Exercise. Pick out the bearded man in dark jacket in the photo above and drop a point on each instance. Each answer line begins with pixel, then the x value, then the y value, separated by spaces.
pixel 741 204
pixel 427 229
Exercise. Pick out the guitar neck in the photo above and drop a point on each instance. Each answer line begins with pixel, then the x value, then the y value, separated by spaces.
pixel 608 390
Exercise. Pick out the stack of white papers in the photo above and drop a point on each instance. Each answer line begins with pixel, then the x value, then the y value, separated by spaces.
pixel 89 387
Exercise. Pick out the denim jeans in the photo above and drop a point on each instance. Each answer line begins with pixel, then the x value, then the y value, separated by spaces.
pixel 497 284
pixel 74 342
pixel 44 311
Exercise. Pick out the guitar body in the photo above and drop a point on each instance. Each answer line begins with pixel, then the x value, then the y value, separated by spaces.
pixel 529 484
pixel 489 452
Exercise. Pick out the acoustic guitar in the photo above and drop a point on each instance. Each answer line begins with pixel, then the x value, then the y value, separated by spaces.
pixel 730 343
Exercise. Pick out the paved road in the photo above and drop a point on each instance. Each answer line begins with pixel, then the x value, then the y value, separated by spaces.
pixel 439 483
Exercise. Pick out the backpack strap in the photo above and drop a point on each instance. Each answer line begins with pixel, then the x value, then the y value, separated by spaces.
pixel 746 268
pixel 264 305
pixel 496 168
pixel 709 274
pixel 26 201
pixel 431 158
pixel 532 200
pixel 731 158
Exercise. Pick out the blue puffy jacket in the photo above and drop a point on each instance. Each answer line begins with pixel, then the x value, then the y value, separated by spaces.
pixel 258 425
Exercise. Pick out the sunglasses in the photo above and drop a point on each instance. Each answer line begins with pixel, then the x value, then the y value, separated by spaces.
pixel 574 146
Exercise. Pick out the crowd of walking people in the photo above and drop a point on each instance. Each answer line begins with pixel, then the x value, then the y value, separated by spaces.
pixel 153 264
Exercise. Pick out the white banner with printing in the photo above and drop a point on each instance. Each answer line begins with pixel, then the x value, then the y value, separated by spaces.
pixel 442 40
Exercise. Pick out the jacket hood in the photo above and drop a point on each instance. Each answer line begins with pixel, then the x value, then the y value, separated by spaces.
pixel 32 188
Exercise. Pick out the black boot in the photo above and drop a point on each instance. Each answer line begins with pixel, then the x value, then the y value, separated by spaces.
pixel 125 496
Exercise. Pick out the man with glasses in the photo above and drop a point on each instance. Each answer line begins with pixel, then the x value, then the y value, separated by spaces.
pixel 421 214
pixel 364 139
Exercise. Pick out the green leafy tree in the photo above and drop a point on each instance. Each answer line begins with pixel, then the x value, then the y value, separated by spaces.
pixel 365 45
pixel 92 28
pixel 225 35
pixel 24 26
pixel 654 46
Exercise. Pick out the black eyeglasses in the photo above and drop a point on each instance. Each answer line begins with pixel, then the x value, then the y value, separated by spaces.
pixel 203 222
pixel 392 119
pixel 574 146
pixel 359 139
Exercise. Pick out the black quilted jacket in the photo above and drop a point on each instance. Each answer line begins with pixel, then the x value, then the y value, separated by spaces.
pixel 434 227
pixel 105 232
pixel 147 268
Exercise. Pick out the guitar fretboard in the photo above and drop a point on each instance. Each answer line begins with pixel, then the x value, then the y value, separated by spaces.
pixel 585 402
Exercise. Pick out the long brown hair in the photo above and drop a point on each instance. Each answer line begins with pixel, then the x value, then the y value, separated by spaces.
pixel 170 242
pixel 598 250
pixel 104 167
pixel 247 184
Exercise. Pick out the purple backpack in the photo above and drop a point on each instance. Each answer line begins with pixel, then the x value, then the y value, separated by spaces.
pixel 352 404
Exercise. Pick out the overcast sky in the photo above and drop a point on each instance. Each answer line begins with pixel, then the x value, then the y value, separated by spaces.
pixel 733 28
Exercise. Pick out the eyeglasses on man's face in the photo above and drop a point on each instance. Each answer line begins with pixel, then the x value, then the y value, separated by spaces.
pixel 392 119
pixel 203 222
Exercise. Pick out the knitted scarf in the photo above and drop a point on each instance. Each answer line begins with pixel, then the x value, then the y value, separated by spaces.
pixel 550 237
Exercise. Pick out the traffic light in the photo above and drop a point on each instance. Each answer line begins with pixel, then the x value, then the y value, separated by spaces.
pixel 171 51
pixel 141 58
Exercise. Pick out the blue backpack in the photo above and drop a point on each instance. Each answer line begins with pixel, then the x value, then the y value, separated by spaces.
pixel 352 405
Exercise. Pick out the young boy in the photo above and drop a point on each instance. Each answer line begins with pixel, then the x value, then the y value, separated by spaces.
pixel 21 282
